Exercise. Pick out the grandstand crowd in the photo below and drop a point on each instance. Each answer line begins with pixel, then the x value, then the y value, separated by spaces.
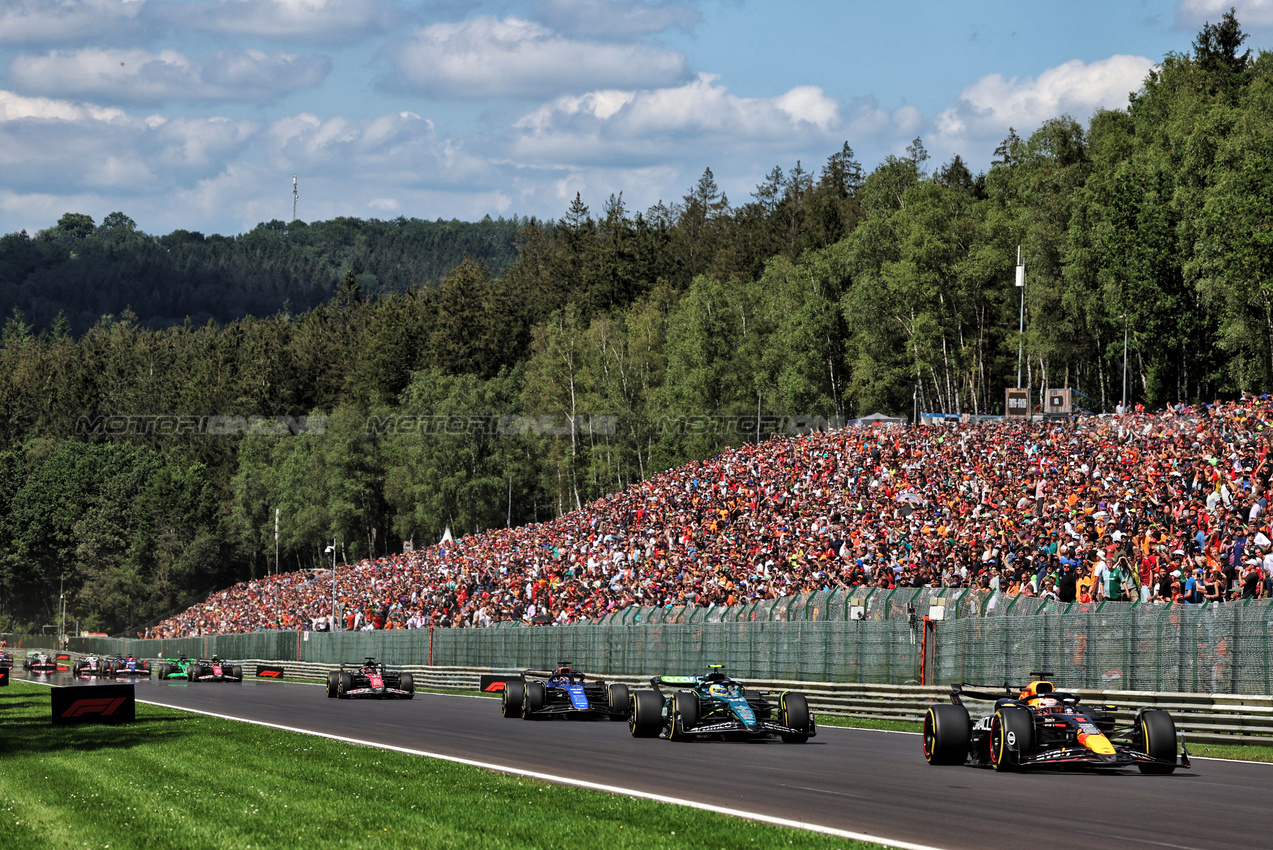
pixel 1170 506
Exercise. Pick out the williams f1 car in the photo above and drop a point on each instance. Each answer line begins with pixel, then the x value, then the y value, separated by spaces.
pixel 127 665
pixel 213 670
pixel 717 706
pixel 564 693
pixel 39 662
pixel 1038 726
pixel 369 680
pixel 6 660
pixel 88 667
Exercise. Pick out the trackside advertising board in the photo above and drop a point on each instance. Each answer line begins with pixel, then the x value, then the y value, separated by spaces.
pixel 93 704
pixel 265 671
pixel 493 684
pixel 4 677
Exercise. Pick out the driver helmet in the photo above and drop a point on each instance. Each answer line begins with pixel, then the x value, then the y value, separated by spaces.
pixel 716 689
pixel 1048 705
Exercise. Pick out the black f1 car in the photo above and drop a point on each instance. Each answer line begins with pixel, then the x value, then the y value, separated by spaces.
pixel 564 693
pixel 717 706
pixel 213 670
pixel 1038 726
pixel 369 680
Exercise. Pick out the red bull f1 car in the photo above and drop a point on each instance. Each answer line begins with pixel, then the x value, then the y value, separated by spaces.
pixel 564 693
pixel 369 680
pixel 1037 726
pixel 716 706
pixel 213 670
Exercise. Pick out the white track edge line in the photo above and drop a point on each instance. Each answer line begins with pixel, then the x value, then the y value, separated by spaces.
pixel 578 783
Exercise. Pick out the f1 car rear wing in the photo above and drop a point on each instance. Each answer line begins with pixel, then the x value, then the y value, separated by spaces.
pixel 960 691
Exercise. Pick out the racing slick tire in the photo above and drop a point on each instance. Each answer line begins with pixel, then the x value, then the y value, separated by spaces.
pixel 238 672
pixel 1158 740
pixel 514 694
pixel 620 701
pixel 333 682
pixel 947 733
pixel 406 682
pixel 646 717
pixel 684 715
pixel 163 671
pixel 533 699
pixel 344 684
pixel 194 671
pixel 793 712
pixel 1011 734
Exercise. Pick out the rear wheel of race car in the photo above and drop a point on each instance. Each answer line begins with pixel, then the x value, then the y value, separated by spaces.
pixel 514 693
pixel 533 700
pixel 1158 737
pixel 620 701
pixel 344 684
pixel 406 682
pixel 333 684
pixel 793 711
pixel 1011 734
pixel 947 732
pixel 646 718
pixel 684 715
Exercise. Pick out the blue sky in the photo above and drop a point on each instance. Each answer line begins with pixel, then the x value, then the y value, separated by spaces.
pixel 195 114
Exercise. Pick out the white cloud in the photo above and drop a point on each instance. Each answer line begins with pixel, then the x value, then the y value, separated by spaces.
pixel 487 57
pixel 616 19
pixel 991 105
pixel 316 20
pixel 60 21
pixel 139 76
pixel 663 124
pixel 1250 13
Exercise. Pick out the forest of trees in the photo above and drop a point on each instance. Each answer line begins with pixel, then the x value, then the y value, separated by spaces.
pixel 557 362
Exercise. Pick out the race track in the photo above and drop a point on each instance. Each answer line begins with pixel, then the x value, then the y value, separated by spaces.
pixel 862 781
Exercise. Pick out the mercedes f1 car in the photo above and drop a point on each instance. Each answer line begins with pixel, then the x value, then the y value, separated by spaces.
pixel 88 667
pixel 213 670
pixel 564 693
pixel 1038 726
pixel 39 662
pixel 369 680
pixel 173 668
pixel 716 706
pixel 127 665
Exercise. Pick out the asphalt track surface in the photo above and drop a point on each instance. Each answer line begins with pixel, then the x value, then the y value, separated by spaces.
pixel 863 781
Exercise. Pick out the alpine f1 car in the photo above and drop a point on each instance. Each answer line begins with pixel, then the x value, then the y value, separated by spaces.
pixel 173 668
pixel 564 693
pixel 39 662
pixel 88 667
pixel 369 680
pixel 213 670
pixel 127 665
pixel 717 706
pixel 1038 726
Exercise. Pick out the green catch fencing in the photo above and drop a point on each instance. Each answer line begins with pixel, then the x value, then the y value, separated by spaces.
pixel 963 637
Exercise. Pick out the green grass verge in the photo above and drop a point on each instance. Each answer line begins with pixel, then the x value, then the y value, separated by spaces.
pixel 180 780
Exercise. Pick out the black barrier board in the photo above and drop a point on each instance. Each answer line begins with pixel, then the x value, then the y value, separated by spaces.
pixel 495 683
pixel 93 704
pixel 264 671
pixel 4 677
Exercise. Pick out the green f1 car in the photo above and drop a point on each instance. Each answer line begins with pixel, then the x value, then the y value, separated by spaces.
pixel 716 706
pixel 174 668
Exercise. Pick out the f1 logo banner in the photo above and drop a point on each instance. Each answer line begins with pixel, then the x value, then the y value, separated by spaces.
pixel 266 672
pixel 93 704
pixel 494 684
pixel 4 677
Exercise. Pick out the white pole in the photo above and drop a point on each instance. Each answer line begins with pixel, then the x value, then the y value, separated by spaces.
pixel 276 541
pixel 1021 324
pixel 1124 402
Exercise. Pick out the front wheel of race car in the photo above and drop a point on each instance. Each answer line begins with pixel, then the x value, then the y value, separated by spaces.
pixel 947 732
pixel 685 712
pixel 514 693
pixel 620 701
pixel 1158 739
pixel 194 671
pixel 535 697
pixel 333 683
pixel 406 682
pixel 163 671
pixel 646 717
pixel 238 672
pixel 344 684
pixel 1011 734
pixel 793 711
